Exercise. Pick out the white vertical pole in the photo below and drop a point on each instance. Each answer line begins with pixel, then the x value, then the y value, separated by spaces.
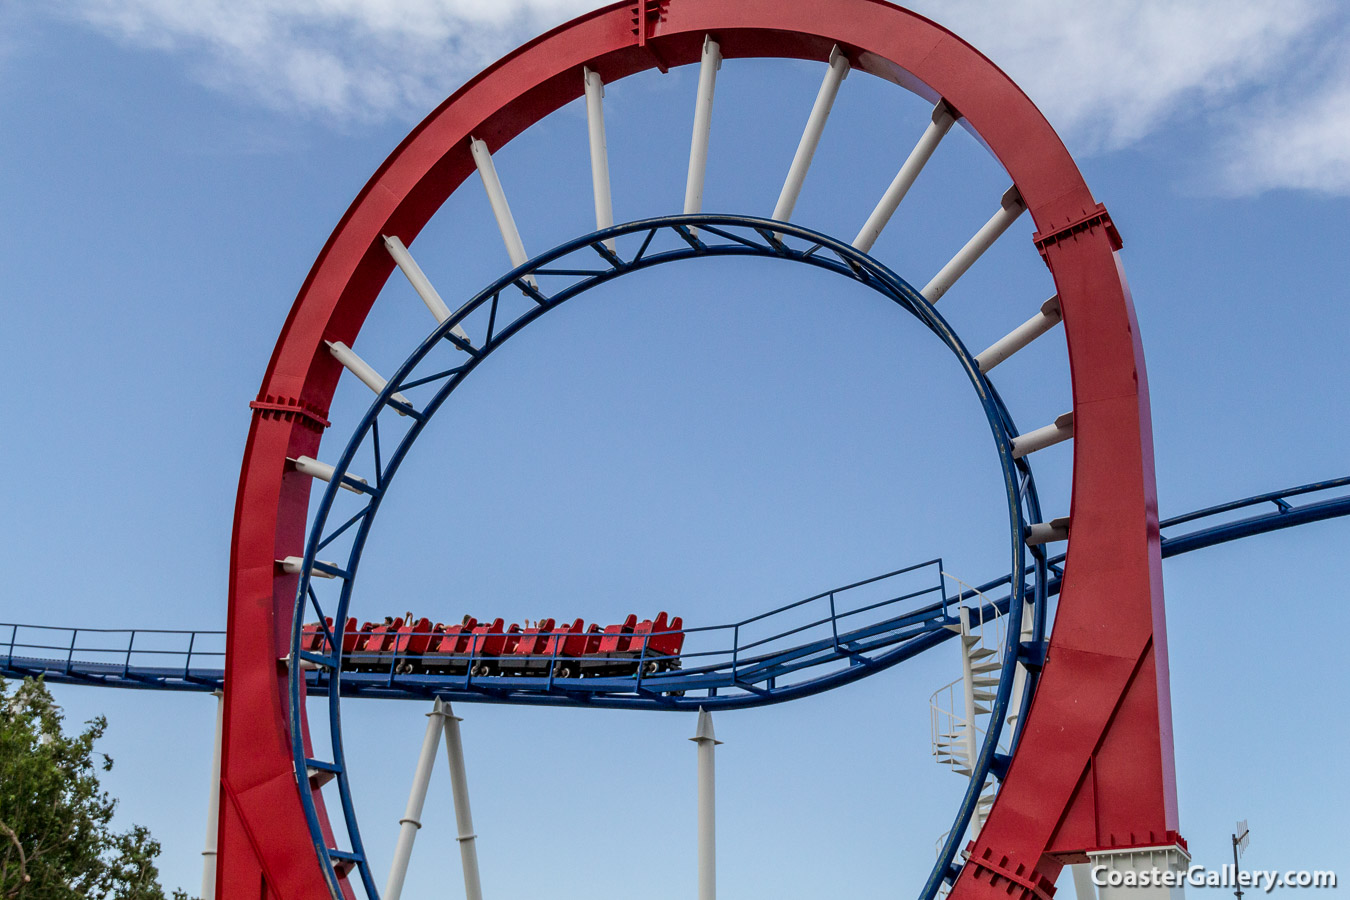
pixel 595 122
pixel 707 806
pixel 468 852
pixel 501 210
pixel 698 147
pixel 904 179
pixel 213 807
pixel 412 816
pixel 815 126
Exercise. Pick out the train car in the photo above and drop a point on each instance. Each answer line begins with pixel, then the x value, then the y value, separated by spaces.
pixel 405 645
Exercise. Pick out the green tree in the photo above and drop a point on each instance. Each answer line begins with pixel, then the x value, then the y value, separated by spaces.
pixel 56 836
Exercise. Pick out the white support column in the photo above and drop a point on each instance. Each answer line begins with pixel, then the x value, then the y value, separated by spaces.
pixel 1021 336
pixel 1134 873
pixel 943 117
pixel 1010 207
pixel 420 283
pixel 213 807
pixel 307 465
pixel 1083 888
pixel 707 806
pixel 362 370
pixel 1048 532
pixel 501 210
pixel 698 146
pixel 412 816
pixel 595 123
pixel 294 565
pixel 1061 430
pixel 459 784
pixel 815 126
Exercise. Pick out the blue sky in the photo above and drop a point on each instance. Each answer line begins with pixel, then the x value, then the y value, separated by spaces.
pixel 711 441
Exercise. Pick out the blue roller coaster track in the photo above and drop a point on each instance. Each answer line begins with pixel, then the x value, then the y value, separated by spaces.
pixel 169 660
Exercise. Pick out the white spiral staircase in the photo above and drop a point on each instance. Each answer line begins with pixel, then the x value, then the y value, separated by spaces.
pixel 960 709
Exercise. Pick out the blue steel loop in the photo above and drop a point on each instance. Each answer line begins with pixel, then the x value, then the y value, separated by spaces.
pixel 851 263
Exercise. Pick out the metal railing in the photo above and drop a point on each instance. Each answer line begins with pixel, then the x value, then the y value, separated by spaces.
pixel 758 653
pixel 194 660
pixel 843 626
pixel 148 656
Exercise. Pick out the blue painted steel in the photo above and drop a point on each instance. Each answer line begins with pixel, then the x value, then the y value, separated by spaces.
pixel 1279 498
pixel 1286 515
pixel 108 657
pixel 62 659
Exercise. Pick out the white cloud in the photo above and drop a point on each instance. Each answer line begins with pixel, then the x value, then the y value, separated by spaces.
pixel 1108 75
pixel 1297 138
pixel 1266 86
pixel 346 59
pixel 1111 73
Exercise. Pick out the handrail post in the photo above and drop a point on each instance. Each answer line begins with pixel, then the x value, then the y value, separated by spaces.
pixel 942 586
pixel 70 653
pixel 187 664
pixel 642 658
pixel 735 650
pixel 126 664
pixel 834 623
pixel 553 659
pixel 13 636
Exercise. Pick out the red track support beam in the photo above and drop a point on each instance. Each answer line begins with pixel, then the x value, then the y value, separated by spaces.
pixel 1097 768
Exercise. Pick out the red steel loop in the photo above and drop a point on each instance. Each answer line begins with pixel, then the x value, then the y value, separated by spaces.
pixel 1095 763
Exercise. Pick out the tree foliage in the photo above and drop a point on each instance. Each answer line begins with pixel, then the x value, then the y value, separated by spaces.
pixel 56 836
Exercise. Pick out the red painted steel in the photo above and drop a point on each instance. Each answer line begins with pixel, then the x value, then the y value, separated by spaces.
pixel 416 642
pixel 672 640
pixel 1097 767
pixel 616 638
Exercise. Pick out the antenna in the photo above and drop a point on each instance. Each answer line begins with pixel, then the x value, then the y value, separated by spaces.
pixel 1241 839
